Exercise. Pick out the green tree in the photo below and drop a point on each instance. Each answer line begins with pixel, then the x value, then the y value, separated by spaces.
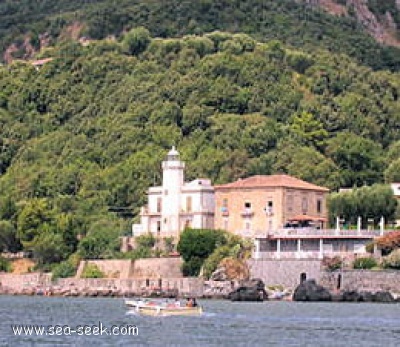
pixel 8 239
pixel 307 130
pixel 392 172
pixel 136 40
pixel 34 217
pixel 371 202
pixel 101 242
pixel 63 270
pixel 49 248
pixel 92 271
pixel 359 159
pixel 195 245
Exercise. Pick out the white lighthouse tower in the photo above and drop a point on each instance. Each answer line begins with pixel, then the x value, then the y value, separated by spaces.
pixel 173 180
pixel 176 204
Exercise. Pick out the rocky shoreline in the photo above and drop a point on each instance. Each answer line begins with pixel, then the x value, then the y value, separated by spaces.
pixel 249 290
pixel 311 291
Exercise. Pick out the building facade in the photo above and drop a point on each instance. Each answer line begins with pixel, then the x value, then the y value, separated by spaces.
pixel 176 204
pixel 258 205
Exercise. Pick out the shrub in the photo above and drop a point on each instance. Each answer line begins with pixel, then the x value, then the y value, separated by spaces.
pixel 369 247
pixel 392 261
pixel 212 262
pixel 92 271
pixel 364 263
pixel 332 264
pixel 4 265
pixel 63 270
pixel 388 242
pixel 192 266
pixel 145 241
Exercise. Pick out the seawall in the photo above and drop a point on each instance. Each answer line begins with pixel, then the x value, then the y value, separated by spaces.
pixel 362 280
pixel 284 272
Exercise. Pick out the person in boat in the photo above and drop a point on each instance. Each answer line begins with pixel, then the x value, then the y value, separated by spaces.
pixel 191 302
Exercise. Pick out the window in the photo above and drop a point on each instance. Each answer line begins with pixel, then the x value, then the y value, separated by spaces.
pixel 319 206
pixel 304 205
pixel 159 200
pixel 188 204
pixel 224 208
pixel 247 204
pixel 247 226
pixel 158 226
pixel 269 209
pixel 289 203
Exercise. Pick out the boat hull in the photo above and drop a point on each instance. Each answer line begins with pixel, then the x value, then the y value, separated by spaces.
pixel 162 311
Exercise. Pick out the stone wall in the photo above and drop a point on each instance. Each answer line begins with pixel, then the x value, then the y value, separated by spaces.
pixel 19 282
pixel 185 286
pixel 110 268
pixel 157 268
pixel 151 268
pixel 362 280
pixel 284 272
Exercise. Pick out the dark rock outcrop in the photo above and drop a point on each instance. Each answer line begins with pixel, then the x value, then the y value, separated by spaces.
pixel 251 290
pixel 383 296
pixel 309 290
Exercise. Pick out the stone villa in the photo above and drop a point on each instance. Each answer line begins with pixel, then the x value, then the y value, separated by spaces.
pixel 259 204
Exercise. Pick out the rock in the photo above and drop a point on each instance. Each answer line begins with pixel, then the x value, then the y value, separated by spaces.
pixel 235 269
pixel 367 296
pixel 351 296
pixel 250 290
pixel 217 289
pixel 219 274
pixel 309 290
pixel 384 296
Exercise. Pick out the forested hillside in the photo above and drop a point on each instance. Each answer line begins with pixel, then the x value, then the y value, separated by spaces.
pixel 27 26
pixel 84 135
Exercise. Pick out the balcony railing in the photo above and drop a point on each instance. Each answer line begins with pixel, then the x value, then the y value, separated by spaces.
pixel 303 254
pixel 247 213
pixel 324 232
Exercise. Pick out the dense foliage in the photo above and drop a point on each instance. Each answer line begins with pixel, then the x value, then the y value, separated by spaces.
pixel 332 263
pixel 388 242
pixel 82 138
pixel 195 245
pixel 29 24
pixel 392 261
pixel 5 265
pixel 370 203
pixel 205 248
pixel 63 270
pixel 364 263
pixel 92 271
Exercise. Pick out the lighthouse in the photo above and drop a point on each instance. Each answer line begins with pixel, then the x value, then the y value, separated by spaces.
pixel 172 182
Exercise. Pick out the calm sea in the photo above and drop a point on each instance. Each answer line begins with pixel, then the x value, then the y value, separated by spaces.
pixel 223 324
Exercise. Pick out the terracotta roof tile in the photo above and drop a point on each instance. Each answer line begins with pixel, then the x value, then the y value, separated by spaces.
pixel 260 181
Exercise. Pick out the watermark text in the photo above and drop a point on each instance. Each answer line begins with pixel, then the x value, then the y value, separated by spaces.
pixel 81 330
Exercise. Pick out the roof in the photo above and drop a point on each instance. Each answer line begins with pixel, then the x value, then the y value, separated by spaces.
pixel 261 181
pixel 173 152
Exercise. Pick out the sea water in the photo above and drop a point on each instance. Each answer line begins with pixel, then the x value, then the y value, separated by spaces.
pixel 223 324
